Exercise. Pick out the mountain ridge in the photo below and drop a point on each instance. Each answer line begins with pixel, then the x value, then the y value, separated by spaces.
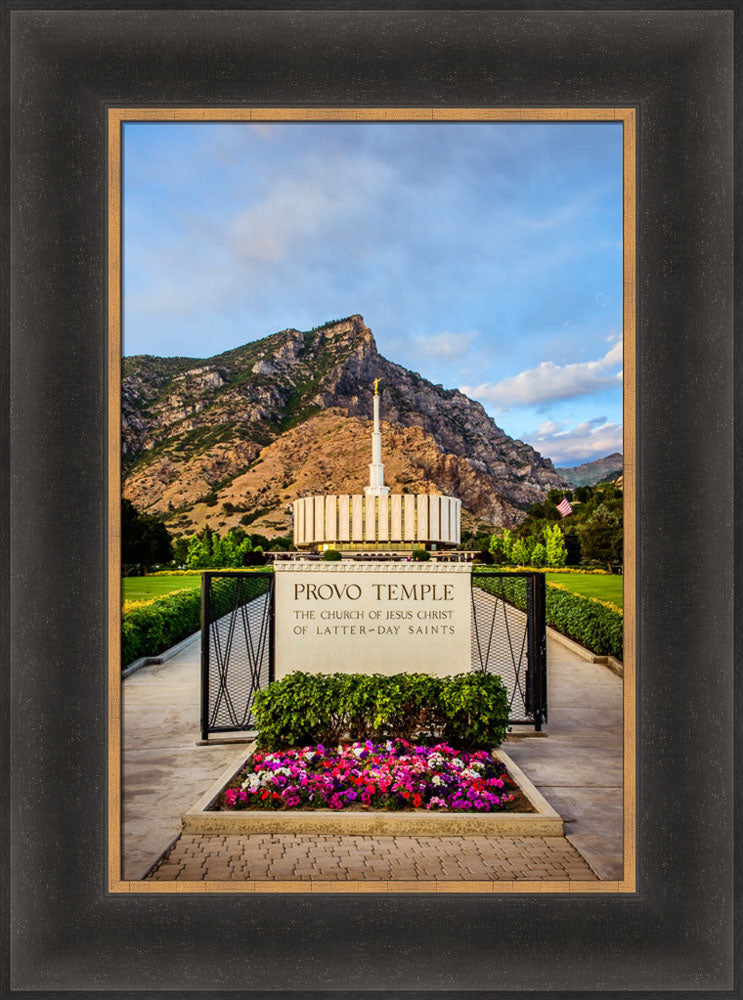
pixel 597 471
pixel 195 430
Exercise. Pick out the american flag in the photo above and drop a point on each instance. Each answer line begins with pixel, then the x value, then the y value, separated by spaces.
pixel 564 507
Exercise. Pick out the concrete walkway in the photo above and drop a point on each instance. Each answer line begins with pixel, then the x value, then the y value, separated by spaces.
pixel 578 767
pixel 163 769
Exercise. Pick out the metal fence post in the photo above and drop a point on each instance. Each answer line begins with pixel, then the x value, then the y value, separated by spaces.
pixel 205 617
pixel 531 648
pixel 272 629
pixel 540 625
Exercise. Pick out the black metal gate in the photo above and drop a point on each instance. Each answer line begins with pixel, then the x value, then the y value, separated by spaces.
pixel 509 638
pixel 237 624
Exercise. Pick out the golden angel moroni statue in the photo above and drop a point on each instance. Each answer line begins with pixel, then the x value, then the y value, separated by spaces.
pixel 376 386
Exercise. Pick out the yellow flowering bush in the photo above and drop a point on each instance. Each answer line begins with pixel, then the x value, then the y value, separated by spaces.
pixel 553 569
pixel 224 569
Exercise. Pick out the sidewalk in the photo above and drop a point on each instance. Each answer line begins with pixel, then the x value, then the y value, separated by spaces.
pixel 163 769
pixel 578 767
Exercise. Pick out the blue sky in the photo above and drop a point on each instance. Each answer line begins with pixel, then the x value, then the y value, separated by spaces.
pixel 486 256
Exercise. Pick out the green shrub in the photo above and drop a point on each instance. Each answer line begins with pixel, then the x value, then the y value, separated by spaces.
pixel 420 555
pixel 160 624
pixel 331 555
pixel 150 630
pixel 468 710
pixel 589 622
pixel 476 710
pixel 408 706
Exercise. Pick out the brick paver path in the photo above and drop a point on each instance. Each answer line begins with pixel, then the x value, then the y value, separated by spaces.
pixel 288 857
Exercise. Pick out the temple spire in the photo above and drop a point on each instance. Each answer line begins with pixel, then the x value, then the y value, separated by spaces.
pixel 376 487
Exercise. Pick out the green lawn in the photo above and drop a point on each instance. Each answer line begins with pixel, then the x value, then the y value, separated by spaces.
pixel 142 588
pixel 606 588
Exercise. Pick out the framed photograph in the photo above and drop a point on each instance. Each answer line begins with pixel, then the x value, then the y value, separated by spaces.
pixel 228 455
pixel 277 163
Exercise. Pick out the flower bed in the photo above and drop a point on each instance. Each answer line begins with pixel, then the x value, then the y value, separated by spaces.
pixel 393 775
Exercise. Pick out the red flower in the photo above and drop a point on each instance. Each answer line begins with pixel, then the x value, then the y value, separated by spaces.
pixel 417 800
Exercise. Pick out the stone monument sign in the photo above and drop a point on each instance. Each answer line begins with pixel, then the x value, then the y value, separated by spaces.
pixel 372 617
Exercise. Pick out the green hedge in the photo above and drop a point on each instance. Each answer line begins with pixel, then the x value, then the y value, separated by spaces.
pixel 467 710
pixel 159 625
pixel 588 622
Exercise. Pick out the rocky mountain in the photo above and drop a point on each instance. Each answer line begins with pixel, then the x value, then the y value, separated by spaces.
pixel 236 437
pixel 599 471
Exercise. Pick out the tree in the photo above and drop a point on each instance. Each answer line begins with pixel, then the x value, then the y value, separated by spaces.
pixel 198 555
pixel 180 550
pixel 282 543
pixel 602 536
pixel 201 549
pixel 538 555
pixel 521 552
pixel 231 549
pixel 501 547
pixel 573 549
pixel 144 538
pixel 555 551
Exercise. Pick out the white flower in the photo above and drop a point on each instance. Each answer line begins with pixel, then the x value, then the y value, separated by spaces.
pixel 457 762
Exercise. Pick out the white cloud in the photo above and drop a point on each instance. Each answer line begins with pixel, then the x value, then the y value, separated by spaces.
pixel 309 205
pixel 549 383
pixel 445 346
pixel 301 218
pixel 572 445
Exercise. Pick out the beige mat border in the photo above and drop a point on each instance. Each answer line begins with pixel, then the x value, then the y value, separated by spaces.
pixel 116 118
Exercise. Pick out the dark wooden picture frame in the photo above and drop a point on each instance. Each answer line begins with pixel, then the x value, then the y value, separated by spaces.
pixel 66 69
pixel 118 118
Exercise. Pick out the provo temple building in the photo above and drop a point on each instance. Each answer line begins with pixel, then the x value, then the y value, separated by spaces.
pixel 378 521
